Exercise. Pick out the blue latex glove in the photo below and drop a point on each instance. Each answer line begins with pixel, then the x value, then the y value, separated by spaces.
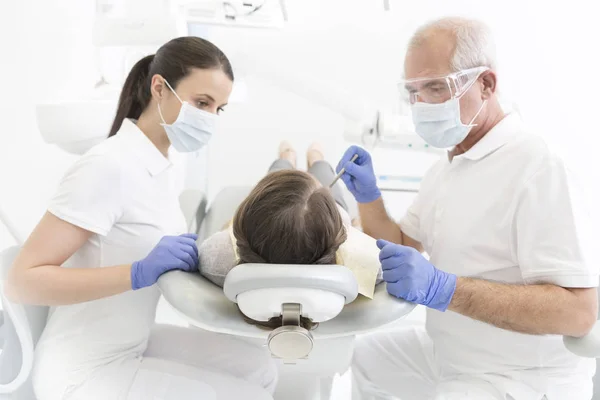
pixel 171 252
pixel 411 277
pixel 359 176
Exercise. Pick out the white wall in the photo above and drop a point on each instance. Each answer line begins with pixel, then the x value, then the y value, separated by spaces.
pixel 45 56
pixel 547 66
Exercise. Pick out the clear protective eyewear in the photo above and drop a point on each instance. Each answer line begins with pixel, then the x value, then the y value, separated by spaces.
pixel 439 89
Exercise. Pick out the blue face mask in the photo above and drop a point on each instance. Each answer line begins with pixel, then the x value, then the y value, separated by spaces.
pixel 439 124
pixel 192 129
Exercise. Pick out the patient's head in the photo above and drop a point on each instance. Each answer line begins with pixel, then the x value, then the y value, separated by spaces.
pixel 288 218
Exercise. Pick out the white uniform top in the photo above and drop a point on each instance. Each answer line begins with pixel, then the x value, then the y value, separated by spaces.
pixel 507 210
pixel 127 193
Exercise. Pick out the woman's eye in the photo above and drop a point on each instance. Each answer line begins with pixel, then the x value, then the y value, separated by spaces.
pixel 220 110
pixel 203 104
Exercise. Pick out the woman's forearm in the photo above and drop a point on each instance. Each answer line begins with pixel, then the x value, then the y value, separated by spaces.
pixel 52 285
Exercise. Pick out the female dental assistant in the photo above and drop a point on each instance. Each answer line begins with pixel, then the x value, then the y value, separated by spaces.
pixel 113 227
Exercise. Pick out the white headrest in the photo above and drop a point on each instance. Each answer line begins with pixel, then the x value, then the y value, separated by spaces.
pixel 332 278
pixel 317 304
pixel 261 289
pixel 75 126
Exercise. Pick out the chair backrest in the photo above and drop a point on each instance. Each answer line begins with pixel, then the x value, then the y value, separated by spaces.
pixel 75 135
pixel 23 326
pixel 193 204
pixel 222 209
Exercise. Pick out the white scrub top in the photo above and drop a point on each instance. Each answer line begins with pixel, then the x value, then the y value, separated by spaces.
pixel 507 210
pixel 127 193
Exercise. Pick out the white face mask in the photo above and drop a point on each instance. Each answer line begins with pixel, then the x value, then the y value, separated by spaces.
pixel 192 129
pixel 439 124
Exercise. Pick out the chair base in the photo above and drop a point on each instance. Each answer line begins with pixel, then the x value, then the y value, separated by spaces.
pixel 312 378
pixel 303 387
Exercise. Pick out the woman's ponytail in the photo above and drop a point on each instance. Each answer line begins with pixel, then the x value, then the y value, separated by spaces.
pixel 135 94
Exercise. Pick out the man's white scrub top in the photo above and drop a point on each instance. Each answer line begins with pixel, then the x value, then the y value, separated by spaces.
pixel 127 193
pixel 507 210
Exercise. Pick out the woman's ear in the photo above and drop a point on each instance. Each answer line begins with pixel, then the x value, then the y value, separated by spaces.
pixel 158 87
pixel 488 80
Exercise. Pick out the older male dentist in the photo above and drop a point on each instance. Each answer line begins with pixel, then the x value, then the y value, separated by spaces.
pixel 502 221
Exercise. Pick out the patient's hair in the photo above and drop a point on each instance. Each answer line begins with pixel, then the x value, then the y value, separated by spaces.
pixel 288 218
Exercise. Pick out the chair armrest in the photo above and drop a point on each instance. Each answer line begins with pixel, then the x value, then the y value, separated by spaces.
pixel 204 305
pixel 364 315
pixel 2 330
pixel 16 359
pixel 585 346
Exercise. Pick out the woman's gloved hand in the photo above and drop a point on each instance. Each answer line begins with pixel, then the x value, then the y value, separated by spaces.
pixel 411 277
pixel 359 176
pixel 171 252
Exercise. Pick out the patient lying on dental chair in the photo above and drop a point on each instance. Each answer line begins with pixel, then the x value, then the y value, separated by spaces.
pixel 293 217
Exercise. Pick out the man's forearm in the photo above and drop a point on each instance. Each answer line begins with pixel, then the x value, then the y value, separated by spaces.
pixel 533 309
pixel 377 223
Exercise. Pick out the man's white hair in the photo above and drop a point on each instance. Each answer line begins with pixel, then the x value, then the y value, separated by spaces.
pixel 474 43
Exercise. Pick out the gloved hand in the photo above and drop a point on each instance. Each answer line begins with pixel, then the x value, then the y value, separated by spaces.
pixel 359 176
pixel 411 277
pixel 171 252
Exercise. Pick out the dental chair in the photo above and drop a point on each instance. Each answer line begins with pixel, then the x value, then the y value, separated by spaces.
pixel 308 360
pixel 327 294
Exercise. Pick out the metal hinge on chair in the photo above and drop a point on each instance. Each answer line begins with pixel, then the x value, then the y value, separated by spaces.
pixel 291 341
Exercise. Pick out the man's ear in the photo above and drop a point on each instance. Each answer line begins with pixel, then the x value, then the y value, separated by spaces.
pixel 488 80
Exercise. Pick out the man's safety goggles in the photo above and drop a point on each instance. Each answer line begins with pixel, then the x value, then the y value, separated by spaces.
pixel 439 89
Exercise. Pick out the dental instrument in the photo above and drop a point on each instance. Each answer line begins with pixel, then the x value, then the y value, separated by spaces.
pixel 342 171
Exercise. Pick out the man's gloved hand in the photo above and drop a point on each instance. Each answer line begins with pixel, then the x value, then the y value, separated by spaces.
pixel 359 176
pixel 171 252
pixel 411 277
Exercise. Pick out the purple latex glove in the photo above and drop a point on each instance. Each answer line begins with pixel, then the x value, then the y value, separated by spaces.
pixel 411 277
pixel 171 252
pixel 359 176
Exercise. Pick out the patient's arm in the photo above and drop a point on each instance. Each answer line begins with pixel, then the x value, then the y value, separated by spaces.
pixel 217 257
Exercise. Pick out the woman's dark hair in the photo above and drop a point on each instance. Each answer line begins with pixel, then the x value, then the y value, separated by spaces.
pixel 173 61
pixel 288 219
